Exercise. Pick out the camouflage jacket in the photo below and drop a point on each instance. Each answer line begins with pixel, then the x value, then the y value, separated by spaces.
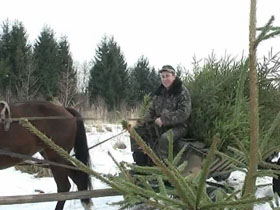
pixel 173 106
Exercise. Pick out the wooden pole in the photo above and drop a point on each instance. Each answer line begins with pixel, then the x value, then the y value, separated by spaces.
pixel 47 197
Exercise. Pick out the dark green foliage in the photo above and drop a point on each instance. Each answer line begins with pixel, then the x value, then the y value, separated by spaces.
pixel 46 73
pixel 267 32
pixel 65 58
pixel 5 67
pixel 220 101
pixel 47 63
pixel 108 76
pixel 269 96
pixel 144 106
pixel 216 109
pixel 15 60
pixel 143 80
pixel 4 77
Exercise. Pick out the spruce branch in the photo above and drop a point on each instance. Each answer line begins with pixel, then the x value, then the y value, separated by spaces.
pixel 237 161
pixel 240 90
pixel 268 134
pixel 64 154
pixel 180 187
pixel 120 166
pixel 270 173
pixel 162 187
pixel 205 168
pixel 266 165
pixel 270 151
pixel 170 146
pixel 144 182
pixel 178 157
pixel 189 192
pixel 264 35
pixel 264 31
pixel 237 204
pixel 233 195
pixel 182 166
pixel 145 170
pixel 242 151
pixel 184 189
pixel 135 190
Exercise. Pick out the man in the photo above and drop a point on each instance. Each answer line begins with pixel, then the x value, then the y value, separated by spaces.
pixel 169 112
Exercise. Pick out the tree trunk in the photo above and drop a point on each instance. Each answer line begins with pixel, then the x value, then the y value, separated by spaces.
pixel 254 112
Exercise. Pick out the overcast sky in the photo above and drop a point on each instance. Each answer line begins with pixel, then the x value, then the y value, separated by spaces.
pixel 165 31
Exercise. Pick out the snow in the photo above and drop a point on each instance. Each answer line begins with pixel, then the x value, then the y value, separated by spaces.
pixel 14 182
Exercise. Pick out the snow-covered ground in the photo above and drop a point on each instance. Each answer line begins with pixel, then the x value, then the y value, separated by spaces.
pixel 13 182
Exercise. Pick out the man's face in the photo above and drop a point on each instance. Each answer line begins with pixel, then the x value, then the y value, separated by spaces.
pixel 167 79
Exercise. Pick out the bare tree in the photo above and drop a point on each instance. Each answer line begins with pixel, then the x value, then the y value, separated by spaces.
pixel 83 77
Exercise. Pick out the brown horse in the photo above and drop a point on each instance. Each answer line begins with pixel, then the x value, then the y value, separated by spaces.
pixel 68 132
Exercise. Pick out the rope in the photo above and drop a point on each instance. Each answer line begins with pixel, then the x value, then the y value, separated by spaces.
pixel 106 140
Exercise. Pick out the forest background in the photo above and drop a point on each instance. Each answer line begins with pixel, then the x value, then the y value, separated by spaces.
pixel 45 70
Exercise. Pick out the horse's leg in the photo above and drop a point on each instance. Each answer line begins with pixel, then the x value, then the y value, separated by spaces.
pixel 79 178
pixel 63 185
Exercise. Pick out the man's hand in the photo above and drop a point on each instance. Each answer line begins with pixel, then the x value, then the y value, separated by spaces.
pixel 158 122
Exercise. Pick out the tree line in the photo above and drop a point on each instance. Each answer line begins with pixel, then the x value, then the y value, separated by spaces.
pixel 45 70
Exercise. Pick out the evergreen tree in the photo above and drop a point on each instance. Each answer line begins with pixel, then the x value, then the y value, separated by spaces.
pixel 214 89
pixel 47 63
pixel 15 61
pixel 4 61
pixel 143 80
pixel 108 76
pixel 154 79
pixel 68 74
pixel 269 95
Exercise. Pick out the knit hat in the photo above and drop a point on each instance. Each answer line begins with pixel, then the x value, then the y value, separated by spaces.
pixel 167 68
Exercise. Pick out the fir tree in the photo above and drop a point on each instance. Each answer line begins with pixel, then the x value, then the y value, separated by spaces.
pixel 143 80
pixel 4 67
pixel 108 76
pixel 68 75
pixel 15 60
pixel 47 64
